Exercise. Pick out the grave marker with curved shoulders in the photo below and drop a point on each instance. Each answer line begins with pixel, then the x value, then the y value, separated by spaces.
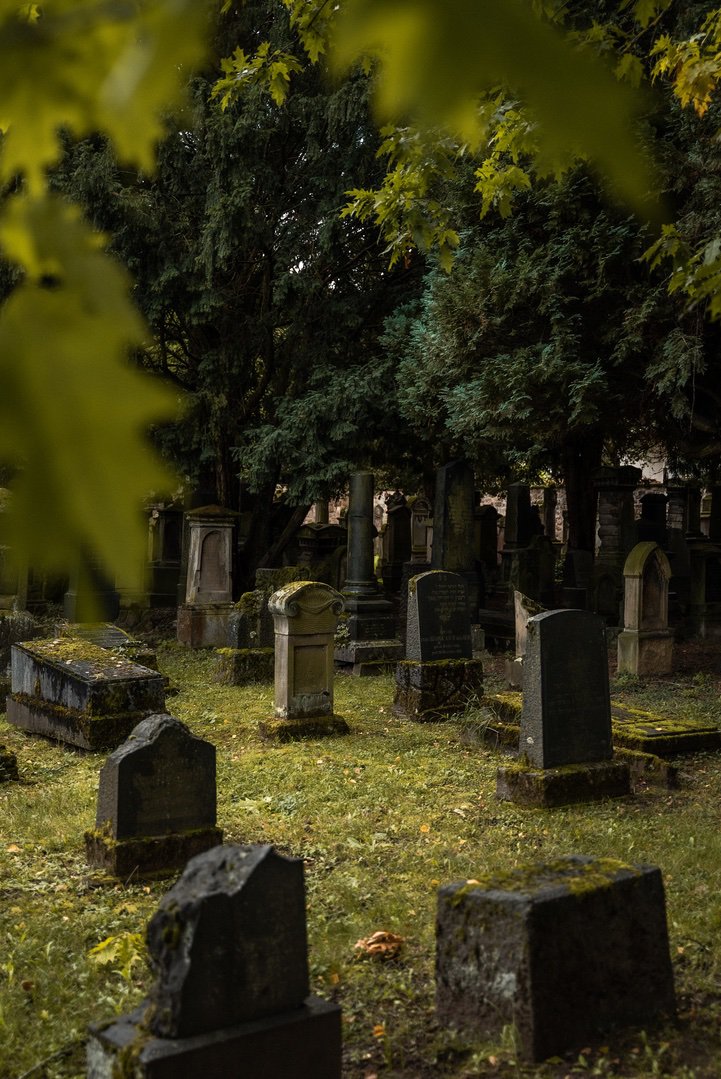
pixel 646 644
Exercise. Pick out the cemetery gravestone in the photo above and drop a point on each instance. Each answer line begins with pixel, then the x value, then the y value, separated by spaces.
pixel 439 674
pixel 250 655
pixel 156 802
pixel 75 692
pixel 524 609
pixel 559 951
pixel 371 644
pixel 454 528
pixel 565 742
pixel 305 614
pixel 646 644
pixel 204 617
pixel 231 998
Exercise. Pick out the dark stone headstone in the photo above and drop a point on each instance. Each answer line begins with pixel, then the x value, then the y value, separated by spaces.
pixel 228 947
pixel 439 624
pixel 560 951
pixel 454 527
pixel 566 716
pixel 156 801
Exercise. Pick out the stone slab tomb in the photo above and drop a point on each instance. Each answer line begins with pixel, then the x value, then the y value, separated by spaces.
pixel 562 952
pixel 156 802
pixel 439 674
pixel 231 997
pixel 75 692
pixel 565 751
pixel 646 644
pixel 305 614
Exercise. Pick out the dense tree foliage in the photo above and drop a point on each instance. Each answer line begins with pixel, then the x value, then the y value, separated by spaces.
pixel 265 305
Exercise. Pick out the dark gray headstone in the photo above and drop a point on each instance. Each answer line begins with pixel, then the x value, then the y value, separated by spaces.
pixel 566 717
pixel 228 942
pixel 439 624
pixel 161 780
pixel 453 519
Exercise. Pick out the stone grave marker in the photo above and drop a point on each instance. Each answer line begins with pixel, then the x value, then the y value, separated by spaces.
pixel 439 674
pixel 523 609
pixel 75 692
pixel 565 740
pixel 231 997
pixel 646 644
pixel 305 614
pixel 454 528
pixel 559 951
pixel 156 802
pixel 250 655
pixel 204 618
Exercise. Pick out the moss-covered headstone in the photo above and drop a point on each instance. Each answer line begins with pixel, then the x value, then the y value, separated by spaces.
pixel 156 802
pixel 231 996
pixel 559 951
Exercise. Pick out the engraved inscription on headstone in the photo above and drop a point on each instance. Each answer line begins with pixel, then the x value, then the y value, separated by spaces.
pixel 439 625
pixel 566 717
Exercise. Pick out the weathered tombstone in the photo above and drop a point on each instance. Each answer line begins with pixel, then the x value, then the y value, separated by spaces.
pixel 651 526
pixel 156 802
pixel 560 951
pixel 617 535
pixel 92 595
pixel 439 674
pixel 112 637
pixel 75 692
pixel 371 643
pixel 523 609
pixel 646 644
pixel 165 542
pixel 454 547
pixel 204 617
pixel 565 741
pixel 15 626
pixel 396 542
pixel 486 529
pixel 249 655
pixel 231 998
pixel 305 614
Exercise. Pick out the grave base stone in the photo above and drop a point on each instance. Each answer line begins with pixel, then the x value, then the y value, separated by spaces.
pixel 436 689
pixel 295 730
pixel 146 857
pixel 75 692
pixel 645 652
pixel 304 1043
pixel 243 666
pixel 560 951
pixel 570 785
pixel 8 765
pixel 204 626
pixel 366 658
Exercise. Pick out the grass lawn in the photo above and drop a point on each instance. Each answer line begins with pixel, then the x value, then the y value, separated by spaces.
pixel 381 818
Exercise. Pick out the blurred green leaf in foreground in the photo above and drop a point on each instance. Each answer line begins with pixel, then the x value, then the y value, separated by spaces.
pixel 73 413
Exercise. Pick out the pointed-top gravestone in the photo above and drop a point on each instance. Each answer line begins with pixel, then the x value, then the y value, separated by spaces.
pixel 156 801
pixel 228 942
pixel 228 948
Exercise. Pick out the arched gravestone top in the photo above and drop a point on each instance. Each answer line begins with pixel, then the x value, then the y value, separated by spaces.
pixel 161 780
pixel 646 573
pixel 566 716
pixel 439 624
pixel 228 942
pixel 305 607
pixel 638 557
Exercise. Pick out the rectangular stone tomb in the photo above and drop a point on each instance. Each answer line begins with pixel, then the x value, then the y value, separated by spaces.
pixel 649 732
pixel 156 802
pixel 230 1001
pixel 75 692
pixel 243 666
pixel 562 952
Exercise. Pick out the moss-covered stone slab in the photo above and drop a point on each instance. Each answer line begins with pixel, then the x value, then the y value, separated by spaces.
pixel 8 765
pixel 570 784
pixel 73 691
pixel 634 728
pixel 294 730
pixel 243 666
pixel 559 951
pixel 434 690
pixel 146 857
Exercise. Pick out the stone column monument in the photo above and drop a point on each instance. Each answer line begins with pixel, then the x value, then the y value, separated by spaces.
pixel 371 646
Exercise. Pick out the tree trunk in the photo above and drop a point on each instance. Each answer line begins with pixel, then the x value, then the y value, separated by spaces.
pixel 580 457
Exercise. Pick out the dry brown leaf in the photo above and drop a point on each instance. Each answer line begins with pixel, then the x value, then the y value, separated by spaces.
pixel 380 945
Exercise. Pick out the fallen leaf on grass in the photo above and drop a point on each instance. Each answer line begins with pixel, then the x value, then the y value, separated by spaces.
pixel 380 945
